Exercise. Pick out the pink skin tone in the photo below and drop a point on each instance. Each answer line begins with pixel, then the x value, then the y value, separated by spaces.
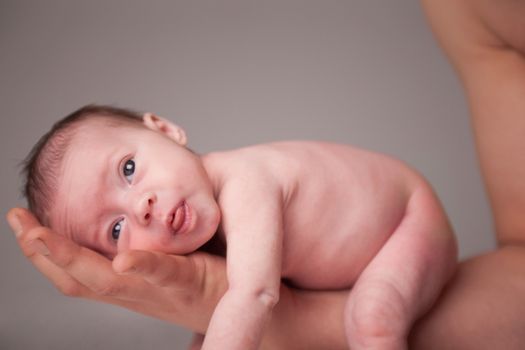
pixel 323 216
pixel 157 206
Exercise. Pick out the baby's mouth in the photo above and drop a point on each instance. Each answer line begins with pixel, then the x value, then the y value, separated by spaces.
pixel 178 217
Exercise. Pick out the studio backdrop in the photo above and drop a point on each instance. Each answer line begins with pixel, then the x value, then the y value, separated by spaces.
pixel 233 73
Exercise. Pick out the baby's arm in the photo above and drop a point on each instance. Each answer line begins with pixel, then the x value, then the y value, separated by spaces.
pixel 404 279
pixel 252 222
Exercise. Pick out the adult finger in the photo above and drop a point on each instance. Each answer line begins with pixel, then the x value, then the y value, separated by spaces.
pixel 77 271
pixel 91 269
pixel 21 222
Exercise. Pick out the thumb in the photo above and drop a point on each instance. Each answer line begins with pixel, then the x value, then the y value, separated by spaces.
pixel 163 270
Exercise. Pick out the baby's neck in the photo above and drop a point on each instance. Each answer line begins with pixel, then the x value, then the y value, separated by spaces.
pixel 215 164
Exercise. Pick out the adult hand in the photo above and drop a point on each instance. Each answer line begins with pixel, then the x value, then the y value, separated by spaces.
pixel 178 289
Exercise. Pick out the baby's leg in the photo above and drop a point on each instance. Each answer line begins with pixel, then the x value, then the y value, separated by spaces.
pixel 404 279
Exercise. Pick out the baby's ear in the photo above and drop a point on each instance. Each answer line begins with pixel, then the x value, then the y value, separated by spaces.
pixel 164 126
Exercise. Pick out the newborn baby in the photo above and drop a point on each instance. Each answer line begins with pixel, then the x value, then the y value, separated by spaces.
pixel 322 216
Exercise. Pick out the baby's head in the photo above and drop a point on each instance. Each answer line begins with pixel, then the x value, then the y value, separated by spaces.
pixel 114 180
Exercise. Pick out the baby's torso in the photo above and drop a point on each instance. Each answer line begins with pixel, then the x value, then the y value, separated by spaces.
pixel 341 204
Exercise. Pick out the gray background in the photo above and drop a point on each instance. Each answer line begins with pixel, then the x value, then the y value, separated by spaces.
pixel 367 73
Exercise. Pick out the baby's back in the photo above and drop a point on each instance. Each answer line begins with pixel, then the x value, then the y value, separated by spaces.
pixel 341 205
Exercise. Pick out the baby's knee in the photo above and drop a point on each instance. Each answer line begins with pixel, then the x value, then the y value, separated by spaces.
pixel 375 315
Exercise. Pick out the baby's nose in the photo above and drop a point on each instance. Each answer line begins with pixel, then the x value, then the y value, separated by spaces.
pixel 144 208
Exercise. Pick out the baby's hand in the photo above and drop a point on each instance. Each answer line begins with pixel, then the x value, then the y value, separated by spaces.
pixel 180 289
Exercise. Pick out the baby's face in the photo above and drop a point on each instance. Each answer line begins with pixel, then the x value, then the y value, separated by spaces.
pixel 129 188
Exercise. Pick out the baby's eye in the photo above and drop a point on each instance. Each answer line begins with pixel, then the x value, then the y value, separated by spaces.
pixel 115 231
pixel 129 169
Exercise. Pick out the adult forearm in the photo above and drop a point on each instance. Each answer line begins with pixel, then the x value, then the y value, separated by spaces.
pixel 307 320
pixel 485 41
pixel 482 308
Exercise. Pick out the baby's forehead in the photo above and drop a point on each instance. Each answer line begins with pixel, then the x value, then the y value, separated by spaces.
pixel 97 147
pixel 86 163
pixel 101 130
pixel 88 145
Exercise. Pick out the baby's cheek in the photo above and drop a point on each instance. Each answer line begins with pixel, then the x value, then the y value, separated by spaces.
pixel 147 238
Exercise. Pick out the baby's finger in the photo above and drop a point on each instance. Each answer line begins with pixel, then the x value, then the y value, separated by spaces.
pixel 176 272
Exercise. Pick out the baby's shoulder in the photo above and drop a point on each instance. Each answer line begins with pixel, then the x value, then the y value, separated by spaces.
pixel 291 158
pixel 262 169
pixel 295 149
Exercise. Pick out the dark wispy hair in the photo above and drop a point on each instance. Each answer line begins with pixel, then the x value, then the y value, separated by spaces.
pixel 42 165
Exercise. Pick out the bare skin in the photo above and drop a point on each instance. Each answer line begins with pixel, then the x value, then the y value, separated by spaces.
pixel 485 41
pixel 481 309
pixel 323 216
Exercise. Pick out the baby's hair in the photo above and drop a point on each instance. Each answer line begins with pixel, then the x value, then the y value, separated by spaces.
pixel 41 168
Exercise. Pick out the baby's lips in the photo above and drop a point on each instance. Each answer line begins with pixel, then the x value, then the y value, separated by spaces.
pixel 178 217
